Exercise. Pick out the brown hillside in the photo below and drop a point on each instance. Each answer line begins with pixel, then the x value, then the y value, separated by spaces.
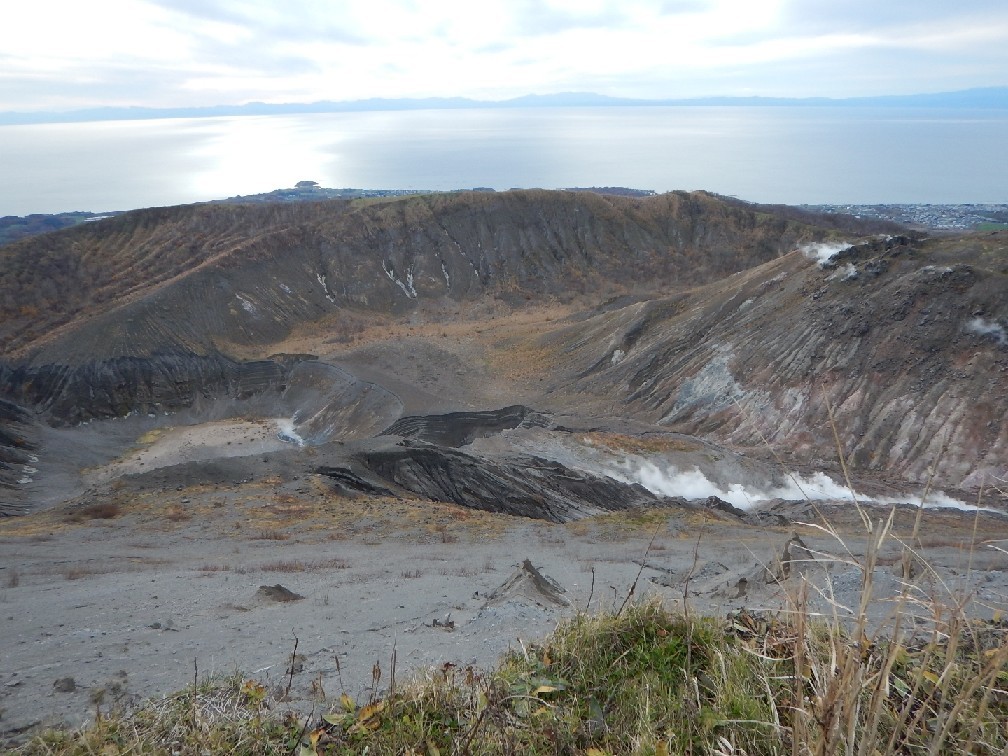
pixel 245 274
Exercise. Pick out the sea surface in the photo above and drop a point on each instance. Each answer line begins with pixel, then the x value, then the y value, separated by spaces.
pixel 793 155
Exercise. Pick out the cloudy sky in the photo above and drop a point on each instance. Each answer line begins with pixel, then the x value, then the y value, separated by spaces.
pixel 67 54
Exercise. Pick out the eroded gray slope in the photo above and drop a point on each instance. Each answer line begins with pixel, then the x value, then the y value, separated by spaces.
pixel 903 339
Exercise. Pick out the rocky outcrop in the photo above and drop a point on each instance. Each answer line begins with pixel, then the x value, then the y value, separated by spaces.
pixel 327 403
pixel 69 394
pixel 516 485
pixel 461 428
pixel 18 444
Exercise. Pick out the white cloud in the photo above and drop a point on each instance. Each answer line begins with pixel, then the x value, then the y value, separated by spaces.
pixel 61 36
pixel 191 52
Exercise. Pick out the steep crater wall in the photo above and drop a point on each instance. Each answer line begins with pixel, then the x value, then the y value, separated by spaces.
pixel 203 277
pixel 69 394
pixel 902 339
pixel 19 445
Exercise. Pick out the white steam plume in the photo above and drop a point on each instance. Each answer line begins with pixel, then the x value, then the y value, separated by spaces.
pixel 286 432
pixel 693 484
pixel 823 252
pixel 987 328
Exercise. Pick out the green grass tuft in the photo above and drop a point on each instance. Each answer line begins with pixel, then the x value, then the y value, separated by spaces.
pixel 646 681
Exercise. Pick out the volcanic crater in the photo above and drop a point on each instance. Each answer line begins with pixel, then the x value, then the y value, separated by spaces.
pixel 529 371
pixel 432 318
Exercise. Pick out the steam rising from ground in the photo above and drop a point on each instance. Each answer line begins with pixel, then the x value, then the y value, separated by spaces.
pixel 823 252
pixel 988 328
pixel 286 432
pixel 664 479
pixel 693 484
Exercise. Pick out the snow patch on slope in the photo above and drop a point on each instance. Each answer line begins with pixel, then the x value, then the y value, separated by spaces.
pixel 407 288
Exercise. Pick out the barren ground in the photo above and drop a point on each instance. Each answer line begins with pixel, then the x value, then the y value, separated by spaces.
pixel 133 597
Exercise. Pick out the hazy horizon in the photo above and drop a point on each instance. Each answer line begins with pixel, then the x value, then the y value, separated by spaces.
pixel 981 97
pixel 192 67
pixel 769 155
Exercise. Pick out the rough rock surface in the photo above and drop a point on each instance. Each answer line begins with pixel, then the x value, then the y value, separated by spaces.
pixel 462 428
pixel 528 583
pixel 525 486
pixel 69 394
pixel 903 340
pixel 18 444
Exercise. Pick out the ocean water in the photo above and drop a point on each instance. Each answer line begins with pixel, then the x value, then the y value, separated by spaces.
pixel 791 155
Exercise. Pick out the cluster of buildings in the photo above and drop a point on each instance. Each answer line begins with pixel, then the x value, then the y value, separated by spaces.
pixel 310 190
pixel 969 217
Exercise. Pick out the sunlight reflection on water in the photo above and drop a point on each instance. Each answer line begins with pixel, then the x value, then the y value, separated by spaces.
pixel 769 154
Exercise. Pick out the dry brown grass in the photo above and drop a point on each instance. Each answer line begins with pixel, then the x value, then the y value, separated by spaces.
pixel 35 526
pixel 316 514
pixel 215 568
pixel 105 510
pixel 643 444
pixel 287 507
pixel 895 688
pixel 393 517
pixel 79 572
pixel 297 565
pixel 625 525
pixel 178 513
pixel 519 360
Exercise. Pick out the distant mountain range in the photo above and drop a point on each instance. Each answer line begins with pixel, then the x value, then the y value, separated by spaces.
pixel 987 97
